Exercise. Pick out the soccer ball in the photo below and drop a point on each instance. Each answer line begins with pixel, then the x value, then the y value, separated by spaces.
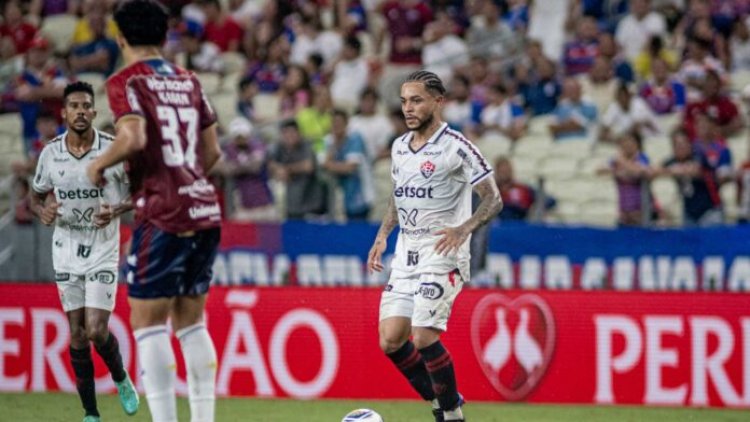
pixel 362 415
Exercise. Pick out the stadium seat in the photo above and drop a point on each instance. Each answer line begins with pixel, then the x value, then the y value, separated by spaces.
pixel 606 150
pixel 739 147
pixel 493 145
pixel 525 168
pixel 11 124
pixel 598 213
pixel 728 194
pixel 739 80
pixel 590 165
pixel 558 168
pixel 565 212
pixel 233 62
pixel 539 125
pixel 59 30
pixel 571 148
pixel 665 190
pixel 211 82
pixel 532 145
pixel 668 122
pixel 95 79
pixel 383 188
pixel 225 106
pixel 657 149
pixel 266 106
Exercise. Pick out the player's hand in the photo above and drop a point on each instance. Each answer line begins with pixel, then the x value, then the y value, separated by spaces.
pixel 453 238
pixel 48 213
pixel 104 216
pixel 374 258
pixel 95 174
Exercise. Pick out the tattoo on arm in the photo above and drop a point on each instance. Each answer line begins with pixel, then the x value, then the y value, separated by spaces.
pixel 390 220
pixel 490 204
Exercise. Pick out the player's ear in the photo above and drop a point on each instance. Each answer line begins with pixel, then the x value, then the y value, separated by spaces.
pixel 63 113
pixel 121 43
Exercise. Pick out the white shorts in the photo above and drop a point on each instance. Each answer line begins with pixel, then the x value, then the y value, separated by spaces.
pixel 426 299
pixel 96 289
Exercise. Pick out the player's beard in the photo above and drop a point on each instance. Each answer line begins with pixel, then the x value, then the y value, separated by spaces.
pixel 80 132
pixel 423 124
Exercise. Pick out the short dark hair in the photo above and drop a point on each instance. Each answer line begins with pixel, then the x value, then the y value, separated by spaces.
pixel 289 124
pixel 79 86
pixel 340 113
pixel 142 22
pixel 353 42
pixel 431 81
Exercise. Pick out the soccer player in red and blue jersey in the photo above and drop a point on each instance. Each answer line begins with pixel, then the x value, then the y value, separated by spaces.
pixel 166 131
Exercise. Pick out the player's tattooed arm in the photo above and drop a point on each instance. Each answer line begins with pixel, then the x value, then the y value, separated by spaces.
pixel 489 206
pixel 390 220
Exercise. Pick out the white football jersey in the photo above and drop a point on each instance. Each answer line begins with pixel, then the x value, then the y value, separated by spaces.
pixel 78 246
pixel 432 191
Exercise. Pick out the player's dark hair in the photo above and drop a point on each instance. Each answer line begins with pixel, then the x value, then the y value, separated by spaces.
pixel 79 86
pixel 142 22
pixel 431 82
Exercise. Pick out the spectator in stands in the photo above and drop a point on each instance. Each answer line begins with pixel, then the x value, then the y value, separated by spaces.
pixel 405 22
pixel 22 214
pixel 517 15
pixel 83 33
pixel 269 70
pixel 717 105
pixel 40 9
pixel 696 181
pixel 739 46
pixel 398 123
pixel 600 86
pixel 518 198
pixel 443 50
pixel 655 50
pixel 631 170
pixel 315 66
pixel 292 162
pixel 502 115
pixel 220 28
pixel 541 89
pixel 295 92
pixel 694 68
pixel 489 36
pixel 98 55
pixel 663 93
pixel 311 38
pixel 374 127
pixel 16 34
pixel 628 113
pixel 48 127
pixel 635 29
pixel 610 49
pixel 579 54
pixel 743 192
pixel 573 116
pixel 245 163
pixel 347 160
pixel 351 74
pixel 458 110
pixel 315 121
pixel 245 106
pixel 202 56
pixel 40 87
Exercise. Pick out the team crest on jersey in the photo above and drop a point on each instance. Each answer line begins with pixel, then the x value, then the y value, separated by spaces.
pixel 427 168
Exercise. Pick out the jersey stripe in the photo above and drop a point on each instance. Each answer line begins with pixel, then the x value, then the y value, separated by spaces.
pixel 458 136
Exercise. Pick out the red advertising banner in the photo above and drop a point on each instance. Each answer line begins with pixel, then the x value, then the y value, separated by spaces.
pixel 690 349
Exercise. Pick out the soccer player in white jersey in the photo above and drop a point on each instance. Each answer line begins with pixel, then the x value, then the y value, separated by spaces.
pixel 85 243
pixel 434 170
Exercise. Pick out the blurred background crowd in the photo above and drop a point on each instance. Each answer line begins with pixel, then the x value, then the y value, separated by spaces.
pixel 598 112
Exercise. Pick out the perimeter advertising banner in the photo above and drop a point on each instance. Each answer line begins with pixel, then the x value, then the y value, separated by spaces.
pixel 603 347
pixel 519 256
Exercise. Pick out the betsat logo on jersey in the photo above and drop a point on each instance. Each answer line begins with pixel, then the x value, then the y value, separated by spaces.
pixel 81 193
pixel 513 341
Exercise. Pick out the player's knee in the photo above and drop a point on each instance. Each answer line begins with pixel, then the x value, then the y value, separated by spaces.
pixel 97 332
pixel 78 337
pixel 390 344
pixel 424 338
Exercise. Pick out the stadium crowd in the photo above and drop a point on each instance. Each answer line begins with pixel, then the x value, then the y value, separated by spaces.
pixel 629 111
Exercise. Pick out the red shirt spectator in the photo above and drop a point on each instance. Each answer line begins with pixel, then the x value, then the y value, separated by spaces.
pixel 221 29
pixel 716 106
pixel 406 21
pixel 15 28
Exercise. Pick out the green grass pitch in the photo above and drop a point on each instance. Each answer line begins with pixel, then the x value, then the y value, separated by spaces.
pixel 66 408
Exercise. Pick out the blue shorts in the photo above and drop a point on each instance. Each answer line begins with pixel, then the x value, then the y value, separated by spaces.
pixel 162 264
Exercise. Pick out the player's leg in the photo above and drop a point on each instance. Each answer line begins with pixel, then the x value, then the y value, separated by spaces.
pixel 396 308
pixel 154 265
pixel 148 317
pixel 432 307
pixel 101 293
pixel 199 354
pixel 187 320
pixel 73 300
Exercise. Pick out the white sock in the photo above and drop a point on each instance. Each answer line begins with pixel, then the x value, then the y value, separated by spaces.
pixel 435 404
pixel 200 361
pixel 159 371
pixel 453 415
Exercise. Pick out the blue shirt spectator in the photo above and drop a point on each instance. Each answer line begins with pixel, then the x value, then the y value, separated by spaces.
pixel 573 115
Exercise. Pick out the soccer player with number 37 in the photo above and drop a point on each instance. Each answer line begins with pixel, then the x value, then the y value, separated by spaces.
pixel 166 130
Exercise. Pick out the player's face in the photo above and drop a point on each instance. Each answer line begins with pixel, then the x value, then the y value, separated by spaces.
pixel 418 105
pixel 79 111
